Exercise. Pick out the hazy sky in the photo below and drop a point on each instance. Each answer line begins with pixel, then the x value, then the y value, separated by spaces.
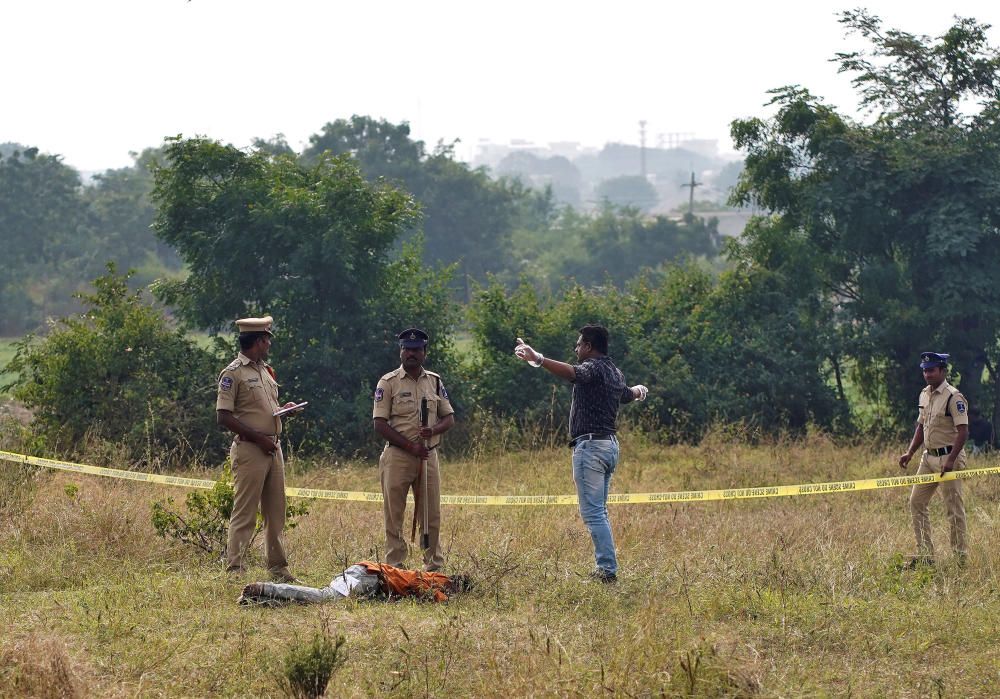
pixel 95 79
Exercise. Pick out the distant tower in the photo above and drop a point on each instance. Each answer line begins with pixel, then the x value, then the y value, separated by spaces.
pixel 642 148
pixel 692 185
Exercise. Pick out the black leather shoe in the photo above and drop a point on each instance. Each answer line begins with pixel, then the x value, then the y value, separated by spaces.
pixel 603 576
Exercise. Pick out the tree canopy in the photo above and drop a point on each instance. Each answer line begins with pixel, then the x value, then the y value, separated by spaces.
pixel 892 226
pixel 58 233
pixel 311 246
pixel 466 217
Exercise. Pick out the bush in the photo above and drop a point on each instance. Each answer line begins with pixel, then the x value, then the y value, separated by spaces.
pixel 711 351
pixel 308 667
pixel 205 524
pixel 119 372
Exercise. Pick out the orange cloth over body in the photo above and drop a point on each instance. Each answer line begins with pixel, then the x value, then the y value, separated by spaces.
pixel 410 583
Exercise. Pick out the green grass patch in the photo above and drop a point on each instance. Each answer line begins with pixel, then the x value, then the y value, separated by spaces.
pixel 799 596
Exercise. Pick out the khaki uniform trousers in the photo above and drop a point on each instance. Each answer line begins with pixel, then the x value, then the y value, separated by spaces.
pixel 259 480
pixel 397 472
pixel 921 495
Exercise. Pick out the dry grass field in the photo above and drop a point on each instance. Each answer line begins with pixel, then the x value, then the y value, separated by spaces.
pixel 785 597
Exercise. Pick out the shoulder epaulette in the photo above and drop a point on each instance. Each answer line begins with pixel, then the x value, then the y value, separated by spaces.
pixel 952 391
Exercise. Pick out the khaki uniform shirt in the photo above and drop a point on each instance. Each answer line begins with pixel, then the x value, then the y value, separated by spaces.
pixel 941 411
pixel 397 400
pixel 248 390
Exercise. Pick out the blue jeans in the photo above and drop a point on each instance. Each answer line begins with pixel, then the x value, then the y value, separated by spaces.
pixel 594 463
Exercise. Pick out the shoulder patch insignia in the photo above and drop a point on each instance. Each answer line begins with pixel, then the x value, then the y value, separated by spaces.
pixel 960 407
pixel 443 391
pixel 226 383
pixel 379 394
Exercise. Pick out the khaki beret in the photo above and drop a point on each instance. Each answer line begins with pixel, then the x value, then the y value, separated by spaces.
pixel 255 325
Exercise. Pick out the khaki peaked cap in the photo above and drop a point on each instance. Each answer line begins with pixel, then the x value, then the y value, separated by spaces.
pixel 255 325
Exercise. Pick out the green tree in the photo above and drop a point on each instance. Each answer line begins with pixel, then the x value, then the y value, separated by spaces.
pixel 119 372
pixel 896 219
pixel 381 149
pixel 59 234
pixel 467 218
pixel 122 214
pixel 42 225
pixel 311 246
pixel 276 145
pixel 617 243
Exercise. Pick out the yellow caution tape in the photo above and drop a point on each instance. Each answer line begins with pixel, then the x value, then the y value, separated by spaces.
pixel 771 491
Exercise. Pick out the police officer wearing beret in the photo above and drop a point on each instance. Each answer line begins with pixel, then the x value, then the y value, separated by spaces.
pixel 942 428
pixel 397 419
pixel 246 403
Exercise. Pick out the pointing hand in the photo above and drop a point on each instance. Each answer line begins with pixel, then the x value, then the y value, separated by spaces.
pixel 525 352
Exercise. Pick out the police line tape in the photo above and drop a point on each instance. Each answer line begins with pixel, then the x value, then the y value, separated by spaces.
pixel 771 491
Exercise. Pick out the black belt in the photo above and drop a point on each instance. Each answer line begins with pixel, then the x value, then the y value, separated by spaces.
pixel 600 436
pixel 943 451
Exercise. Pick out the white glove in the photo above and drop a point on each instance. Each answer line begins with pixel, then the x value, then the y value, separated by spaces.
pixel 525 352
pixel 640 391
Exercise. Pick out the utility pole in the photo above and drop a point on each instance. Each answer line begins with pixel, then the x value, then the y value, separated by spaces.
pixel 642 148
pixel 692 185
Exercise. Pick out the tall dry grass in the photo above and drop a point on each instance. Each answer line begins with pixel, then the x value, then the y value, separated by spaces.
pixel 784 597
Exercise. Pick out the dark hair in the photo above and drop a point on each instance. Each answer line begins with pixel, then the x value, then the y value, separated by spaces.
pixel 248 340
pixel 597 336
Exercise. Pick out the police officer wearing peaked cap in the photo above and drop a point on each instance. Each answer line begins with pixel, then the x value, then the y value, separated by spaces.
pixel 245 405
pixel 396 418
pixel 942 429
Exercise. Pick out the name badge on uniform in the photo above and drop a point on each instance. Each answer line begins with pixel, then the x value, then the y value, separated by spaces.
pixel 405 394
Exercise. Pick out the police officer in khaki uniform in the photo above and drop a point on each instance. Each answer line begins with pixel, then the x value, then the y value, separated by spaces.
pixel 246 403
pixel 397 419
pixel 942 428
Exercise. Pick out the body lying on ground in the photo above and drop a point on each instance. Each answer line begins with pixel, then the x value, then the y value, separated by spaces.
pixel 362 580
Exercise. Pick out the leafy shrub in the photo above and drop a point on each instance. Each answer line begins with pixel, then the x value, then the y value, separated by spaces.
pixel 711 351
pixel 308 667
pixel 119 372
pixel 205 523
